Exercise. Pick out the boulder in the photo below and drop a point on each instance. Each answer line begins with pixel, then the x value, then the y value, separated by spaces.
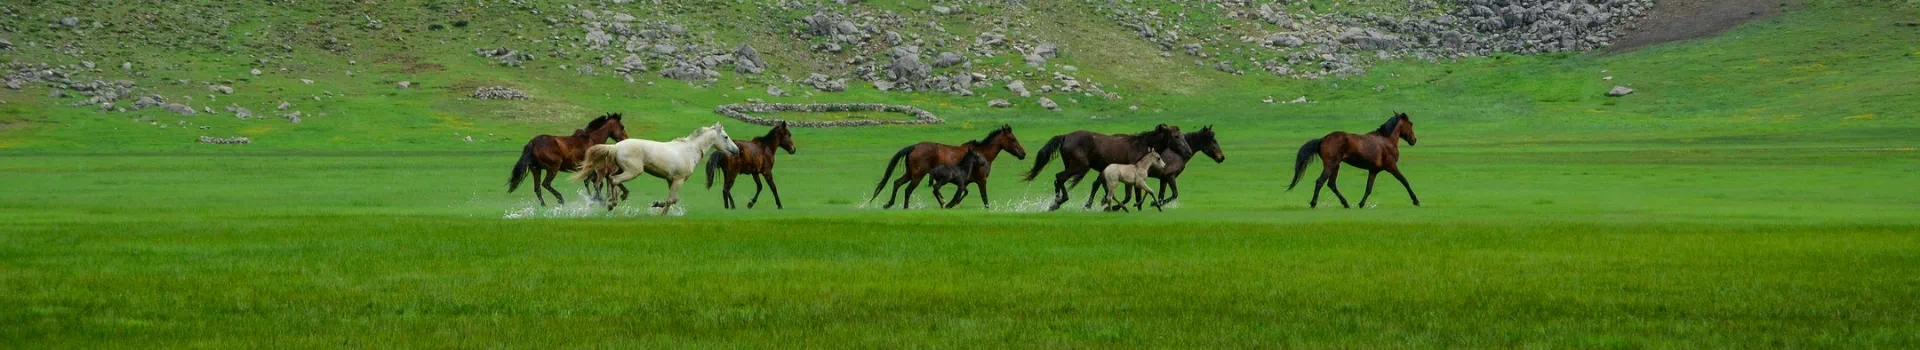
pixel 1618 91
pixel 948 59
pixel 999 103
pixel 1048 104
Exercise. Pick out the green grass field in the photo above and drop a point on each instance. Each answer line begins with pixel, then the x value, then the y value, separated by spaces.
pixel 1756 192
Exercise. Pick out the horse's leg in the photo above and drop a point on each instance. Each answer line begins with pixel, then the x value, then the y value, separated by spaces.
pixel 1142 187
pixel 1106 202
pixel 673 195
pixel 548 183
pixel 1333 183
pixel 904 178
pixel 1395 170
pixel 1370 175
pixel 984 203
pixel 1169 182
pixel 726 189
pixel 907 201
pixel 1060 185
pixel 959 193
pixel 536 187
pixel 756 191
pixel 1095 191
pixel 773 187
pixel 1317 184
pixel 938 201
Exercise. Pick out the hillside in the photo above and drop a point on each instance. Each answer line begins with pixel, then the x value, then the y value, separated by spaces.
pixel 325 75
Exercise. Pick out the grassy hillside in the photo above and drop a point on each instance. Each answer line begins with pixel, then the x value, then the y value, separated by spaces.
pixel 1755 189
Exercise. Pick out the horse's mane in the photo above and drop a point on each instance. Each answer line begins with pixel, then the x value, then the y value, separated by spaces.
pixel 995 133
pixel 1202 137
pixel 1387 129
pixel 1146 138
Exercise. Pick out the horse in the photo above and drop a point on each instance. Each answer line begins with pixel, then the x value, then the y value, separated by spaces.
pixel 1134 177
pixel 1082 151
pixel 923 157
pixel 673 161
pixel 1202 141
pixel 959 174
pixel 1375 151
pixel 755 160
pixel 555 154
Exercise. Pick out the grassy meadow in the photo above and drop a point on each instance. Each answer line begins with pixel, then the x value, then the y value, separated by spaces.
pixel 1756 191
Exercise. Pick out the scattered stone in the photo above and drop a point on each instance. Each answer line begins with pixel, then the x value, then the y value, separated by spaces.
pixel 222 89
pixel 824 83
pixel 306 81
pixel 284 106
pixel 775 90
pixel 236 140
pixel 1048 104
pixel 403 84
pixel 1619 91
pixel 999 103
pixel 1019 87
pixel 292 117
pixel 943 10
pixel 179 109
pixel 739 111
pixel 14 84
pixel 746 60
pixel 498 93
pixel 255 72
pixel 57 93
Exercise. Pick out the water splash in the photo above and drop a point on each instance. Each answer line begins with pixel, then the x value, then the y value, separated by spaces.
pixel 586 207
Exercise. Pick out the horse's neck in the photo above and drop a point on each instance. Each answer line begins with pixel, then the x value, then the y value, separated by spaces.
pixel 987 151
pixel 767 144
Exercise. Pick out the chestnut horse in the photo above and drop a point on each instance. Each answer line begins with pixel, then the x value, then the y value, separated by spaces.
pixel 1375 151
pixel 756 160
pixel 556 154
pixel 923 157
pixel 1083 151
pixel 1202 141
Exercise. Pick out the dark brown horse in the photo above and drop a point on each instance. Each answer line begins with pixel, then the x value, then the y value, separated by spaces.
pixel 756 160
pixel 1083 151
pixel 556 154
pixel 923 157
pixel 1202 141
pixel 1375 151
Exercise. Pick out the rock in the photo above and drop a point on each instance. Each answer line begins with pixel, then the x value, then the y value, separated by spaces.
pixel 57 93
pixel 149 101
pixel 1368 39
pixel 222 89
pixel 5 45
pixel 690 72
pixel 1048 104
pixel 824 83
pixel 1019 87
pixel 999 103
pixel 126 65
pixel 747 60
pixel 665 49
pixel 943 10
pixel 292 117
pixel 14 84
pixel 907 69
pixel 87 64
pixel 1282 40
pixel 989 39
pixel 255 72
pixel 498 93
pixel 948 59
pixel 240 112
pixel 284 106
pixel 1036 61
pixel 236 140
pixel 1047 50
pixel 306 81
pixel 631 64
pixel 775 91
pixel 1619 91
pixel 597 38
pixel 70 21
pixel 179 109
pixel 403 84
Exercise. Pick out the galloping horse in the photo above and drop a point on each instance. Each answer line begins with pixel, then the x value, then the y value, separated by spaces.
pixel 1375 151
pixel 923 157
pixel 555 154
pixel 756 160
pixel 673 160
pixel 1083 151
pixel 1202 141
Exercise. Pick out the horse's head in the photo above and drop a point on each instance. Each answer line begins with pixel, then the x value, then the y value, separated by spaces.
pixel 782 137
pixel 717 139
pixel 1205 141
pixel 1171 137
pixel 1153 159
pixel 972 160
pixel 608 125
pixel 1003 137
pixel 1405 127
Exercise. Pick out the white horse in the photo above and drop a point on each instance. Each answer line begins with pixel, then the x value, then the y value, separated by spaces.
pixel 1134 178
pixel 674 160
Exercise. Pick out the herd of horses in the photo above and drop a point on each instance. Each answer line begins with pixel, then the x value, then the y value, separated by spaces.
pixel 1124 161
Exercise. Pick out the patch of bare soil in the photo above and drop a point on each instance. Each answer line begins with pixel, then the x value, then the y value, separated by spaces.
pixel 1676 20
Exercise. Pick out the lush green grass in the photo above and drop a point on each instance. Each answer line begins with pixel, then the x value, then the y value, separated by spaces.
pixel 1756 192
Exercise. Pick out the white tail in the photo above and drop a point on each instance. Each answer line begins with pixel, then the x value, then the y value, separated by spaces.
pixel 598 156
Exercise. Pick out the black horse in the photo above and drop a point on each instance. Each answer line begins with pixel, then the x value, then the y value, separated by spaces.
pixel 1082 151
pixel 1202 141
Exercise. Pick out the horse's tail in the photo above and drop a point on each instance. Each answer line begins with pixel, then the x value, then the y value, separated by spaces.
pixel 713 160
pixel 889 174
pixel 1046 155
pixel 1307 152
pixel 598 156
pixel 521 168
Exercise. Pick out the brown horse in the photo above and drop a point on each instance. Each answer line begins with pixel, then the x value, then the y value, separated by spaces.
pixel 923 157
pixel 756 160
pixel 1375 151
pixel 1083 151
pixel 1203 141
pixel 556 154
